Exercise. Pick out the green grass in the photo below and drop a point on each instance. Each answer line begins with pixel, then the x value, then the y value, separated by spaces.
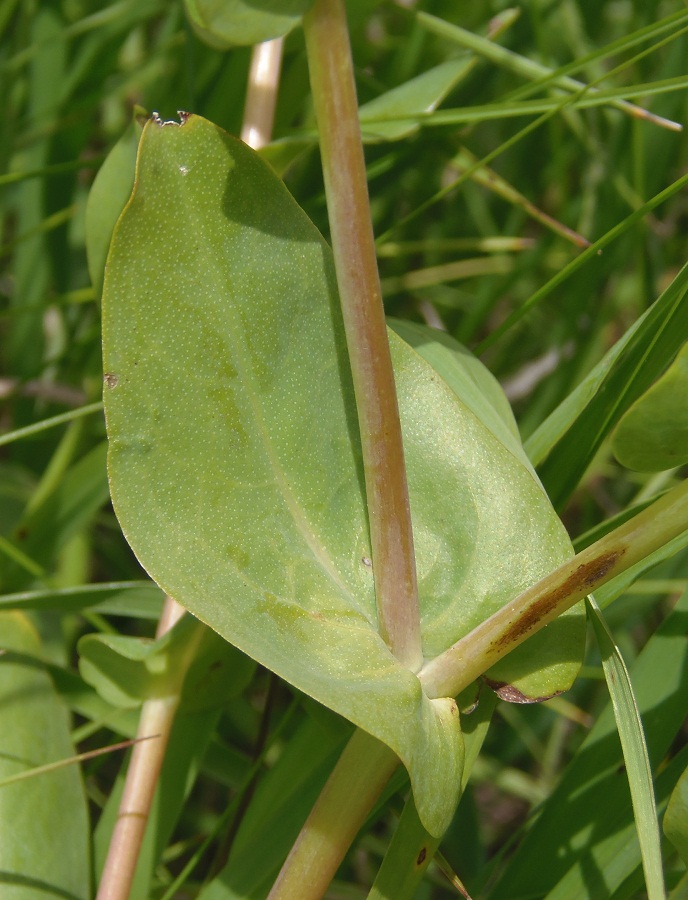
pixel 475 260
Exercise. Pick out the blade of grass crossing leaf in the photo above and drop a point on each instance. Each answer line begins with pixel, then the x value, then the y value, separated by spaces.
pixel 635 754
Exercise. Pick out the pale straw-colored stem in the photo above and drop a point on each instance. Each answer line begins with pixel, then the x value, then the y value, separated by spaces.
pixel 155 724
pixel 261 94
pixel 157 715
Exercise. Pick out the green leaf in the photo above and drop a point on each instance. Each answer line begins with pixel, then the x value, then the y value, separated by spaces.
pixel 235 461
pixel 547 663
pixel 44 835
pixel 676 817
pixel 416 97
pixel 468 378
pixel 126 671
pixel 229 23
pixel 107 198
pixel 653 434
pixel 408 856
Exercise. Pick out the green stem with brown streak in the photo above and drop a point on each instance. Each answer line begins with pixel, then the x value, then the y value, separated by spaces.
pixel 452 671
pixel 366 764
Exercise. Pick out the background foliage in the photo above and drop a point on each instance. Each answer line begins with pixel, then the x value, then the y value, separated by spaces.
pixel 72 74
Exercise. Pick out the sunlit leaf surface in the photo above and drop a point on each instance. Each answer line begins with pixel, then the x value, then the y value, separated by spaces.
pixel 235 464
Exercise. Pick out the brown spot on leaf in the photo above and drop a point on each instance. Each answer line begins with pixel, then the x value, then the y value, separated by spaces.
pixel 421 856
pixel 587 575
pixel 110 380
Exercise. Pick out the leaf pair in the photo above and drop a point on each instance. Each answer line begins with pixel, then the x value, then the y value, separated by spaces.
pixel 235 463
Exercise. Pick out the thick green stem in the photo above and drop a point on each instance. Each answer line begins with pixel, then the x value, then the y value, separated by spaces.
pixel 448 674
pixel 334 95
pixel 361 773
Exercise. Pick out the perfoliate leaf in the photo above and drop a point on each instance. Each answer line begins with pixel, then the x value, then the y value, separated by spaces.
pixel 235 462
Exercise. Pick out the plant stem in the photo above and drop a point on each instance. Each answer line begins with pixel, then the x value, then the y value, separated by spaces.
pixel 157 717
pixel 261 94
pixel 448 674
pixel 362 771
pixel 336 108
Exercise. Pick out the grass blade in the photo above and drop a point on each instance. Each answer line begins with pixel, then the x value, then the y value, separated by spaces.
pixel 635 754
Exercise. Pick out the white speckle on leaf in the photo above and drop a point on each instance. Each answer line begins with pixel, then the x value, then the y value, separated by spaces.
pixel 184 170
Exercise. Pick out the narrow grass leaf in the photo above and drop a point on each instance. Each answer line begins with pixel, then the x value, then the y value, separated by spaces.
pixel 389 117
pixel 577 263
pixel 38 427
pixel 593 847
pixel 138 599
pixel 565 443
pixel 634 749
